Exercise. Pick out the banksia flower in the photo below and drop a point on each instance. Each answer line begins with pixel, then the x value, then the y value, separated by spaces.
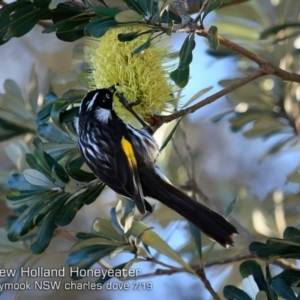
pixel 143 76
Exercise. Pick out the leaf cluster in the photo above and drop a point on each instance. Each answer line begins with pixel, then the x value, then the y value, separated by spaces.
pixel 264 285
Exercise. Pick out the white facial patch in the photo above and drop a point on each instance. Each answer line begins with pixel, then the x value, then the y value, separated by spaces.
pixel 103 115
pixel 91 103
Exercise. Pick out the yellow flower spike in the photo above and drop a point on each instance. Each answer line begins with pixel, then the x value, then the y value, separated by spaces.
pixel 142 76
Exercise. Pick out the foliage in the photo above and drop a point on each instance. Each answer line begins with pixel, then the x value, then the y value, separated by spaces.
pixel 265 286
pixel 55 184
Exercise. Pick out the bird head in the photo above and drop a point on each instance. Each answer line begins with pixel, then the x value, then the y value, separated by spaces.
pixel 101 98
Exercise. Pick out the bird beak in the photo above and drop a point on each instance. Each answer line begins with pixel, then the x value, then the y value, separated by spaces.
pixel 112 89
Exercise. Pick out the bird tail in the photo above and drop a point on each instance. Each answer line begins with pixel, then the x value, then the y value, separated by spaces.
pixel 209 222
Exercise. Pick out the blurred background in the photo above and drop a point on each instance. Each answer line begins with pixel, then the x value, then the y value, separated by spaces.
pixel 225 164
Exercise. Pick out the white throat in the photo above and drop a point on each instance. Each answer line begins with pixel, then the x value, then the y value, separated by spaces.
pixel 103 115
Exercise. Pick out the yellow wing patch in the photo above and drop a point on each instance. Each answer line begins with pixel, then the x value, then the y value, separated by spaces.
pixel 128 149
pixel 135 191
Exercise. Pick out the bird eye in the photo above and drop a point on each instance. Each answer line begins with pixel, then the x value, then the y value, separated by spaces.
pixel 107 96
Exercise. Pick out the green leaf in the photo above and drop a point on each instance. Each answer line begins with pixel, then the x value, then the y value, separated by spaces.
pixel 143 47
pixel 80 175
pixel 128 16
pixel 262 295
pixel 282 289
pixel 32 90
pixel 31 216
pixel 18 182
pixel 69 34
pixel 290 277
pixel 105 11
pixel 102 242
pixel 38 163
pixel 68 213
pixel 9 130
pixel 114 219
pixel 28 195
pixel 213 37
pixel 51 133
pixel 5 13
pixel 22 21
pixel 169 30
pixel 231 292
pixel 152 239
pixel 170 135
pixel 57 108
pixel 251 267
pixel 35 177
pixel 196 234
pixel 69 29
pixel 197 96
pixel 65 22
pixel 132 4
pixel 47 228
pixel 106 229
pixel 213 5
pixel 169 17
pixel 69 115
pixel 162 4
pixel 275 249
pixel 99 28
pixel 275 29
pixel 127 37
pixel 106 278
pixel 60 172
pixel 44 114
pixel 181 75
pixel 13 89
pixel 63 151
pixel 285 142
pixel 16 106
pixel 185 53
pixel 50 98
pixel 85 257
pixel 231 207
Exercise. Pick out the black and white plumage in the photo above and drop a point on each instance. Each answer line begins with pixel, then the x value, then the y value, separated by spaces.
pixel 124 158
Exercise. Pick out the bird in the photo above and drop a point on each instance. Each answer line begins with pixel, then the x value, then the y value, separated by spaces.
pixel 124 158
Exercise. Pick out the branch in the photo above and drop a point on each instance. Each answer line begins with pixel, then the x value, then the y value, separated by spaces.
pixel 229 260
pixel 267 67
pixel 166 119
pixel 201 273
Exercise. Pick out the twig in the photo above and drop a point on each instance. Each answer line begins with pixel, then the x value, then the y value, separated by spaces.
pixel 160 120
pixel 157 272
pixel 44 24
pixel 65 234
pixel 155 261
pixel 202 9
pixel 201 273
pixel 267 67
pixel 284 264
pixel 231 259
